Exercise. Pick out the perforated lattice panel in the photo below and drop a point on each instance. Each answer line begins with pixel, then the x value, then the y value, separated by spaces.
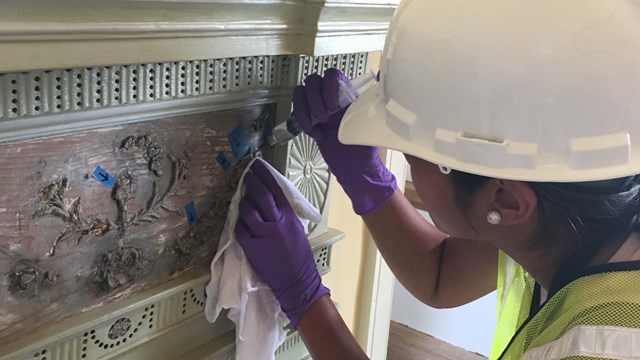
pixel 323 258
pixel 43 92
pixel 351 65
pixel 56 91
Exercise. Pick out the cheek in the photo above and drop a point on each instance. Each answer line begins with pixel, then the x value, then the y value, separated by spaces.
pixel 436 200
pixel 437 195
pixel 431 184
pixel 433 189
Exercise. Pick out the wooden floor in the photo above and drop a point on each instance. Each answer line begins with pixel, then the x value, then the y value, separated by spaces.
pixel 406 343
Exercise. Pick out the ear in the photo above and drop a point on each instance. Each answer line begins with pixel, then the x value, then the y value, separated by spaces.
pixel 515 200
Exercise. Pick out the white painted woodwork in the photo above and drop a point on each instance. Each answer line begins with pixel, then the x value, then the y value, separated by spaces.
pixel 42 34
pixel 378 282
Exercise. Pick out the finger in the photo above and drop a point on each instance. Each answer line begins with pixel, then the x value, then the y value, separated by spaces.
pixel 330 88
pixel 300 110
pixel 315 102
pixel 243 234
pixel 271 184
pixel 262 197
pixel 251 217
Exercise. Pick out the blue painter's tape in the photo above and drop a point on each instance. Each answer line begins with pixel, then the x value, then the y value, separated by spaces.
pixel 223 161
pixel 190 212
pixel 103 177
pixel 239 142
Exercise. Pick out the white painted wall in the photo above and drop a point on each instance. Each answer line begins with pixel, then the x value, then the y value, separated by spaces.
pixel 470 327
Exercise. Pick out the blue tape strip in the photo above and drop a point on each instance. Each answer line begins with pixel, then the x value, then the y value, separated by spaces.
pixel 103 177
pixel 239 142
pixel 223 161
pixel 190 212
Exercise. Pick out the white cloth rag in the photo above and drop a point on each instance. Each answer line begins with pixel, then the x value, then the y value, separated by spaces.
pixel 260 323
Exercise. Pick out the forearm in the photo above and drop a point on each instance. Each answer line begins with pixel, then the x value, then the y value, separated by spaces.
pixel 326 335
pixel 411 246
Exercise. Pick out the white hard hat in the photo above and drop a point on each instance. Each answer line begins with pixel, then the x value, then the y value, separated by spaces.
pixel 536 90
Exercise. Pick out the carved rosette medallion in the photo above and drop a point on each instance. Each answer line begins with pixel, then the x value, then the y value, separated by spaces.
pixel 308 171
pixel 119 328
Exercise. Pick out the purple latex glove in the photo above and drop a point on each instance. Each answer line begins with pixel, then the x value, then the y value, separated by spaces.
pixel 274 241
pixel 359 169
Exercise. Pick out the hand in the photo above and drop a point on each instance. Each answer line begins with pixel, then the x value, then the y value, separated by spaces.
pixel 274 241
pixel 359 169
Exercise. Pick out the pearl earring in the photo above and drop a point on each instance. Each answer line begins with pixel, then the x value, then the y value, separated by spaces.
pixel 494 217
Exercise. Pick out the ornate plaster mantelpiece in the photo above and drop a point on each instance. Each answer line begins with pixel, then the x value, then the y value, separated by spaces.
pixel 151 89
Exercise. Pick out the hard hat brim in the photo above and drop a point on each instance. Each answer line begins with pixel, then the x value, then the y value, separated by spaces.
pixel 365 123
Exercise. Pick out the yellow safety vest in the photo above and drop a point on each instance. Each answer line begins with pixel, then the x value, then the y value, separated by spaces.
pixel 595 315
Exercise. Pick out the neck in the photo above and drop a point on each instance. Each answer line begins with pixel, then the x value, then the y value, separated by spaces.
pixel 539 266
pixel 542 264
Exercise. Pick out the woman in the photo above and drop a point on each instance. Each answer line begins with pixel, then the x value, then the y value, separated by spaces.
pixel 521 123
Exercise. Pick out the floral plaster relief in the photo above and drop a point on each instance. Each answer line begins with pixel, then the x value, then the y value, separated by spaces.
pixel 71 240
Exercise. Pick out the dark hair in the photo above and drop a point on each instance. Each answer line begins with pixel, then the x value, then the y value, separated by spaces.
pixel 599 210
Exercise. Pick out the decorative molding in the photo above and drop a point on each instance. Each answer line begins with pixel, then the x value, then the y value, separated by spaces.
pixel 35 93
pixel 39 34
pixel 46 102
pixel 123 328
pixel 351 64
pixel 308 171
pixel 322 245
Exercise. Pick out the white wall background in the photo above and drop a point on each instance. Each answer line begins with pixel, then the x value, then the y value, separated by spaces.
pixel 470 327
